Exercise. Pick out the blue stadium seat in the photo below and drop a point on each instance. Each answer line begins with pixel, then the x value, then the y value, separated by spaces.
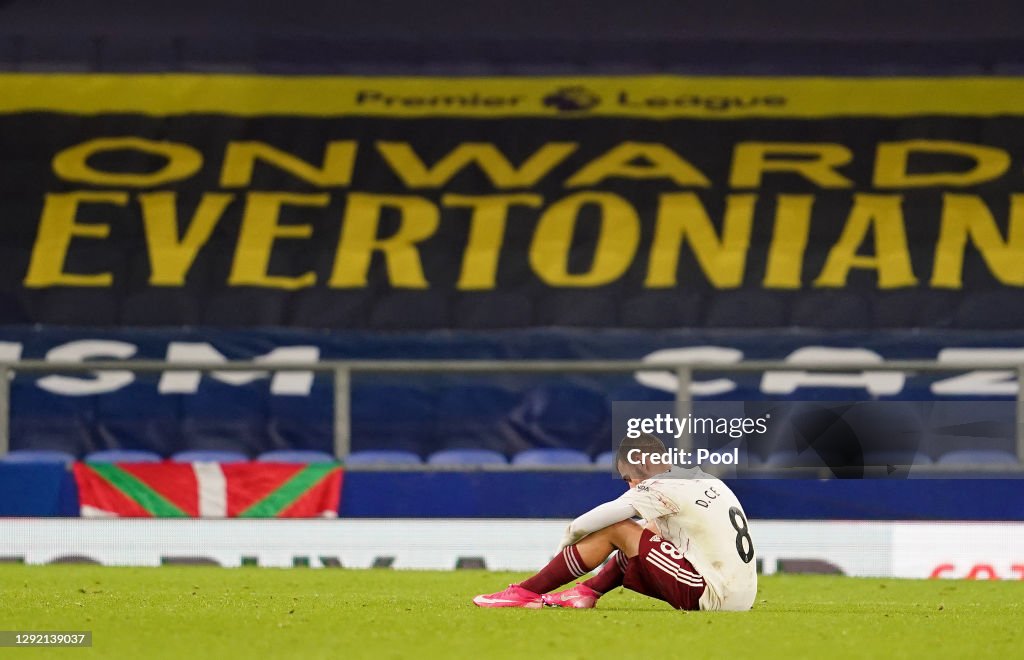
pixel 37 456
pixel 466 457
pixel 538 457
pixel 209 456
pixel 383 457
pixel 295 456
pixel 123 456
pixel 978 457
pixel 605 459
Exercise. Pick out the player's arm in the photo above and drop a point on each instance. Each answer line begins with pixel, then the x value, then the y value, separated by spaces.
pixel 597 518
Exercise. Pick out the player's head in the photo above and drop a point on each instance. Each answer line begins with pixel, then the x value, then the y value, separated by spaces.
pixel 632 460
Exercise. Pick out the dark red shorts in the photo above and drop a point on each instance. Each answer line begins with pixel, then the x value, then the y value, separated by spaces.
pixel 660 571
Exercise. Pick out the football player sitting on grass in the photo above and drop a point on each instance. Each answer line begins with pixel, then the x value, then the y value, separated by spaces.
pixel 695 552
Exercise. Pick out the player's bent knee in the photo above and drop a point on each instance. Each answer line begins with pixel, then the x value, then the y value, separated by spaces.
pixel 616 531
pixel 625 536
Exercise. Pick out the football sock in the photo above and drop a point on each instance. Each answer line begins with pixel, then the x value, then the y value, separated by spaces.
pixel 565 567
pixel 610 575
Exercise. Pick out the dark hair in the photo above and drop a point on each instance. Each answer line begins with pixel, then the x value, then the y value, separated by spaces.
pixel 646 443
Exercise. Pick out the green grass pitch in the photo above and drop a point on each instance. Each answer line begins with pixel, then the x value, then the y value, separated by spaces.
pixel 201 612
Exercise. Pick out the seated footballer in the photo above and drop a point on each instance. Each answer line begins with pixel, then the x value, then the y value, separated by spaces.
pixel 695 552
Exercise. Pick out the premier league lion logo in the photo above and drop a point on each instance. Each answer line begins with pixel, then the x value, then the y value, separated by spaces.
pixel 571 99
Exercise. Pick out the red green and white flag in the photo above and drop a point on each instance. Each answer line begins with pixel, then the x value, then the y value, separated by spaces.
pixel 208 490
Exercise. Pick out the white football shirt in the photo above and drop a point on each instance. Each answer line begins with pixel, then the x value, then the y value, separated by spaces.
pixel 703 518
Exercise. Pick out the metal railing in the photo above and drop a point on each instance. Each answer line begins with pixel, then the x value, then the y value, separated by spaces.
pixel 343 370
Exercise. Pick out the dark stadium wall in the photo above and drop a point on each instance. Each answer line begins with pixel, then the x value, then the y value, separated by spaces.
pixel 570 36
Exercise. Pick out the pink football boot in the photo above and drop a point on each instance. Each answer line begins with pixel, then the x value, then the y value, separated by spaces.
pixel 514 596
pixel 580 597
